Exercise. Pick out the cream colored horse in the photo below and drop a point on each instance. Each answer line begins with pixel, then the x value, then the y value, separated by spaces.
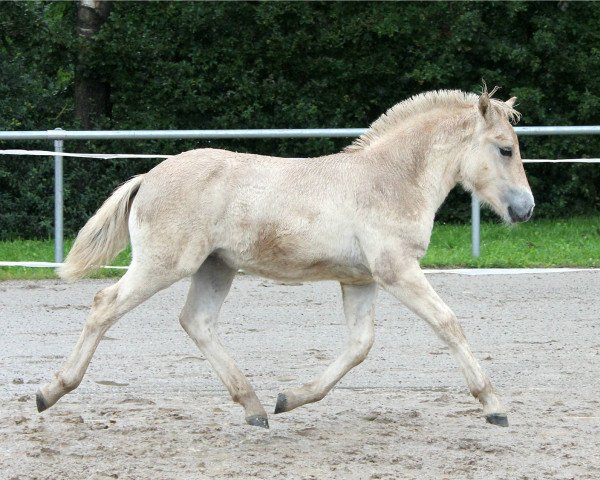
pixel 362 217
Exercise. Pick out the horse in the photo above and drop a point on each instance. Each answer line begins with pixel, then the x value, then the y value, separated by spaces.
pixel 362 217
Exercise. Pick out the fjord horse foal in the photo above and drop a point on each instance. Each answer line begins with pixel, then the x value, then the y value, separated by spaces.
pixel 362 217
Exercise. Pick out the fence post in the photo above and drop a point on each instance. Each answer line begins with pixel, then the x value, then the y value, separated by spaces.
pixel 58 200
pixel 475 225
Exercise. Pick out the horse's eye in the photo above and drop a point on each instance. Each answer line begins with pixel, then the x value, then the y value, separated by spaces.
pixel 506 152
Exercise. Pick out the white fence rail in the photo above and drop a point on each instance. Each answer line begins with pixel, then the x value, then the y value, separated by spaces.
pixel 58 136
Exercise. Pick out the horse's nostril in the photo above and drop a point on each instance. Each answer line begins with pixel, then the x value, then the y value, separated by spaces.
pixel 514 216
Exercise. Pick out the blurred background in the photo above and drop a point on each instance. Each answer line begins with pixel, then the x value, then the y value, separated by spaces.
pixel 237 65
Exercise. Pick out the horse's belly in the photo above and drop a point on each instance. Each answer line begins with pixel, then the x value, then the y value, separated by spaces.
pixel 291 269
pixel 320 270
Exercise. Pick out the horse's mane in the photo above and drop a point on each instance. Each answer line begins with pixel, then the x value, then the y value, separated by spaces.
pixel 424 102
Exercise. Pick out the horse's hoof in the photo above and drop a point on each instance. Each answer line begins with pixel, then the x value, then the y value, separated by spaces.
pixel 497 419
pixel 40 402
pixel 281 405
pixel 258 421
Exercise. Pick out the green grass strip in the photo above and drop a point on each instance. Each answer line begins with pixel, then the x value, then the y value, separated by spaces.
pixel 539 243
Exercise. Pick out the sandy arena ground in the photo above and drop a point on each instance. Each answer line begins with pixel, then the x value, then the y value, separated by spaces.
pixel 150 406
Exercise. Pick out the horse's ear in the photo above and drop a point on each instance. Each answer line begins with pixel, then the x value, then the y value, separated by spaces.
pixel 484 103
pixel 511 102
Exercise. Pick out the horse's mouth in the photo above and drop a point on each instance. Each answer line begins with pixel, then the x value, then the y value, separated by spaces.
pixel 519 217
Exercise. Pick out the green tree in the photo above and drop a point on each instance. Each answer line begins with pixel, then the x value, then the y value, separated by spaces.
pixel 184 65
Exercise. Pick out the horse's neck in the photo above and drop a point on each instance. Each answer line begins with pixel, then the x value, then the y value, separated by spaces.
pixel 422 167
pixel 443 177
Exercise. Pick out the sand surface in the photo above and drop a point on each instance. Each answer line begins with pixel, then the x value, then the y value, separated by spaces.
pixel 150 406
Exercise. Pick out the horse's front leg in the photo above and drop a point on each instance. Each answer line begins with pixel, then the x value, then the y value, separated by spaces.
pixel 406 281
pixel 359 309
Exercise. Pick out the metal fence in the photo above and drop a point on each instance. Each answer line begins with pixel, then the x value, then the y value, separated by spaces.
pixel 58 136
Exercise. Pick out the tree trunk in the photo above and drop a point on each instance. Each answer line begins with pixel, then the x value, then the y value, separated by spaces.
pixel 92 91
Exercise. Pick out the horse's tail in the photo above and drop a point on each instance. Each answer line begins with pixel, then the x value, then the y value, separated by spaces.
pixel 104 235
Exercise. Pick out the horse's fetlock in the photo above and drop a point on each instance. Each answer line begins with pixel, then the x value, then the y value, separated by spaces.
pixel 476 392
pixel 482 391
pixel 241 396
pixel 320 395
pixel 66 383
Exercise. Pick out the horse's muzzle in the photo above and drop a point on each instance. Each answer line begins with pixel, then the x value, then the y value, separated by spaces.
pixel 520 205
pixel 516 218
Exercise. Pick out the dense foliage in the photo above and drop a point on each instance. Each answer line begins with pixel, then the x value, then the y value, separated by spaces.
pixel 180 65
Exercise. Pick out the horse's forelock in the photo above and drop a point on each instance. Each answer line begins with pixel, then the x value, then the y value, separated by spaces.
pixel 503 109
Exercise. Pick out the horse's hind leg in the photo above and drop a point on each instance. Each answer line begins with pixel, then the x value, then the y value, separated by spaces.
pixel 109 304
pixel 210 285
pixel 359 309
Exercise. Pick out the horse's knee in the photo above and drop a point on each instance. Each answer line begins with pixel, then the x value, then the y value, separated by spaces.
pixel 197 327
pixel 188 321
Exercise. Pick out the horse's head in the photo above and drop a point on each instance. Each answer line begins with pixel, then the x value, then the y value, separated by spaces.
pixel 492 168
